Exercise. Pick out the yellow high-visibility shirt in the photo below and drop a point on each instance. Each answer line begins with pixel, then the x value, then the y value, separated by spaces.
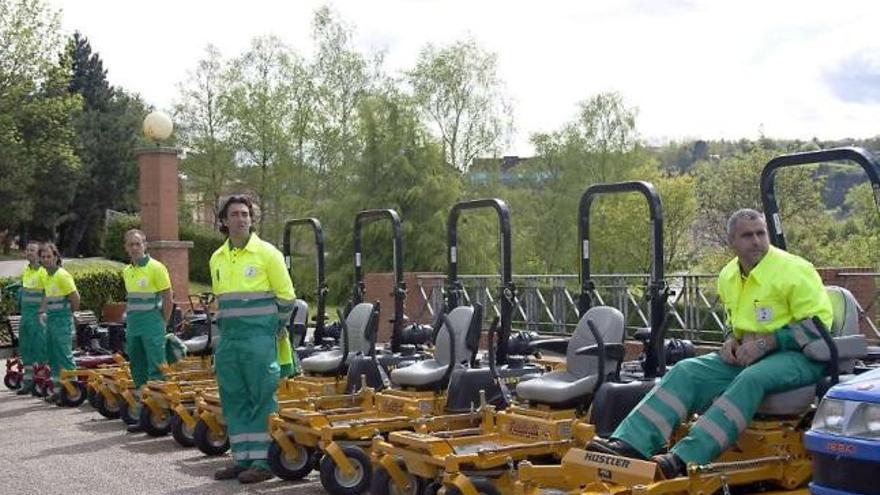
pixel 256 267
pixel 58 284
pixel 32 278
pixel 782 288
pixel 148 275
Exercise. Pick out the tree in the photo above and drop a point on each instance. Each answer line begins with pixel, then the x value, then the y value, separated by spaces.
pixel 107 133
pixel 204 129
pixel 400 166
pixel 599 145
pixel 341 79
pixel 458 90
pixel 258 108
pixel 733 182
pixel 35 113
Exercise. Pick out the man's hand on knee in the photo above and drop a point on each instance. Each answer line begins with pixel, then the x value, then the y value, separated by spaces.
pixel 754 347
pixel 728 350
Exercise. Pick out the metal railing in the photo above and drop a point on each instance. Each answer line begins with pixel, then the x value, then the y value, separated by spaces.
pixel 548 303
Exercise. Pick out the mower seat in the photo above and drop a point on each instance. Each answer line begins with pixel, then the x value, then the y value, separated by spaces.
pixel 199 343
pixel 850 343
pixel 429 372
pixel 581 372
pixel 355 333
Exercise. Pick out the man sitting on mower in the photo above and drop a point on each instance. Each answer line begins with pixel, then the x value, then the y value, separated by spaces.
pixel 770 297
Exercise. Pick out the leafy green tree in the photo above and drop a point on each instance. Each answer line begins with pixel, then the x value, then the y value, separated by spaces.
pixel 341 78
pixel 258 107
pixel 35 112
pixel 733 182
pixel 204 129
pixel 458 90
pixel 400 166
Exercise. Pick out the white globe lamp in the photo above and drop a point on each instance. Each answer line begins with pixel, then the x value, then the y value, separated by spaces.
pixel 158 126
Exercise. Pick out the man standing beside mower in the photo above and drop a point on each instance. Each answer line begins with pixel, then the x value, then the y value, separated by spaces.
pixel 60 300
pixel 148 309
pixel 770 297
pixel 255 300
pixel 32 333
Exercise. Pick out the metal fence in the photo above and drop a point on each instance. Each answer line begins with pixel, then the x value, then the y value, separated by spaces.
pixel 548 303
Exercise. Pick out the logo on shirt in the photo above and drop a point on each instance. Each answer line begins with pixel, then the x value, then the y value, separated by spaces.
pixel 763 314
pixel 142 283
pixel 250 271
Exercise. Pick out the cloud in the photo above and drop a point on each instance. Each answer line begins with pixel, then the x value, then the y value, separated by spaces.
pixel 856 78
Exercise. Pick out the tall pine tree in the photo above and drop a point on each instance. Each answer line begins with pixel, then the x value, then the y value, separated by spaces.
pixel 107 134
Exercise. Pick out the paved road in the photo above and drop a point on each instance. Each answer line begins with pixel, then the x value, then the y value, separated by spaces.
pixel 51 450
pixel 11 268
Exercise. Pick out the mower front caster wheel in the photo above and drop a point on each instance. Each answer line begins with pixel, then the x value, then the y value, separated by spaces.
pixel 75 399
pixel 155 426
pixel 183 434
pixel 382 483
pixel 209 442
pixel 337 483
pixel 290 469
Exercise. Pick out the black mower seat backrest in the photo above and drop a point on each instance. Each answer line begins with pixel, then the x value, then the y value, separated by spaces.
pixel 850 343
pixel 579 378
pixel 430 371
pixel 356 331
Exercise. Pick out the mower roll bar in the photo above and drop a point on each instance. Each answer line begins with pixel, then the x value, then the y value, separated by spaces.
pixel 658 291
pixel 320 281
pixel 399 291
pixel 768 180
pixel 454 286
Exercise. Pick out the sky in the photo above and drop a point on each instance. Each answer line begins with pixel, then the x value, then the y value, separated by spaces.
pixel 694 69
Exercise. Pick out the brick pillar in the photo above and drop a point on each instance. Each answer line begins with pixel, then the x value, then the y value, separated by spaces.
pixel 158 200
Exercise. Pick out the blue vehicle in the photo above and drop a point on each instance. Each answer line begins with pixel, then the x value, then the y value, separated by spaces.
pixel 844 440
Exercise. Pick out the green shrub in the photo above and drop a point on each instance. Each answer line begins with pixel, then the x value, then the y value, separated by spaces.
pixel 205 242
pixel 114 244
pixel 98 287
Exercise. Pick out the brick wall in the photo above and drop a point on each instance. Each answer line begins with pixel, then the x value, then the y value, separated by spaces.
pixel 863 288
pixel 379 286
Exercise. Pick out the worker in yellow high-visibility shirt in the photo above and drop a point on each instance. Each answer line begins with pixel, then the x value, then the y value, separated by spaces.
pixel 771 297
pixel 60 300
pixel 148 309
pixel 31 333
pixel 255 300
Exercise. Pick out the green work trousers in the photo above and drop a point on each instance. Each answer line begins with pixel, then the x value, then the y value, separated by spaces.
pixel 59 340
pixel 728 394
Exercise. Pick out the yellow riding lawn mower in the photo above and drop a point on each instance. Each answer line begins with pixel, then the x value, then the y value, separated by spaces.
pixel 441 393
pixel 547 418
pixel 769 456
pixel 326 368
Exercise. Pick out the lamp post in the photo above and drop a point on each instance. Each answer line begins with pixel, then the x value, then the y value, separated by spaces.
pixel 158 193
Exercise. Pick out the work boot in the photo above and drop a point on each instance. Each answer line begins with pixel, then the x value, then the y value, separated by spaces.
pixel 135 428
pixel 614 446
pixel 670 465
pixel 229 472
pixel 255 474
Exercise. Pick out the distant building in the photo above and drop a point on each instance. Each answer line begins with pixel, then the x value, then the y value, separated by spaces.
pixel 508 170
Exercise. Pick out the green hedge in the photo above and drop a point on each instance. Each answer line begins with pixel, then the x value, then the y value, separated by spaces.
pixel 96 287
pixel 205 242
pixel 113 245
